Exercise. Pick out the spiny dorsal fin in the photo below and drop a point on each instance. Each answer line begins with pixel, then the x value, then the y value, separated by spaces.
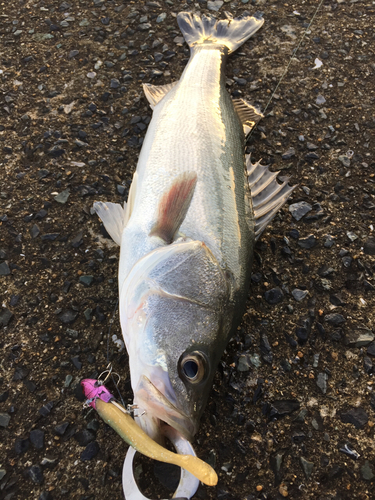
pixel 248 114
pixel 114 216
pixel 173 206
pixel 155 93
pixel 267 194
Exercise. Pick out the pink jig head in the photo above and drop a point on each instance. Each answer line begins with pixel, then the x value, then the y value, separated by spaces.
pixel 94 389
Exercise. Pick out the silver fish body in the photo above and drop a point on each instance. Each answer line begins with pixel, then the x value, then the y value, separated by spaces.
pixel 182 291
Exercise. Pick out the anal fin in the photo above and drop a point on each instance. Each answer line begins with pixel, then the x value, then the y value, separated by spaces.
pixel 248 114
pixel 173 206
pixel 267 194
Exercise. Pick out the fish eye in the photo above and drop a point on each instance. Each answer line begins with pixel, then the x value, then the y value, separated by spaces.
pixel 193 366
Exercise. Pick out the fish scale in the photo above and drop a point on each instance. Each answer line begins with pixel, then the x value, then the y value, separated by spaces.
pixel 212 146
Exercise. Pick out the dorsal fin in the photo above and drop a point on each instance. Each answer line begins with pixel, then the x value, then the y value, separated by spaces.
pixel 155 93
pixel 173 206
pixel 248 114
pixel 267 194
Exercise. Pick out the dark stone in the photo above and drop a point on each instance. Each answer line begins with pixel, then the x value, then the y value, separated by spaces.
pixel 56 152
pixel 14 300
pixel 335 472
pixel 298 210
pixel 298 437
pixel 367 364
pixel 299 294
pixel 359 337
pixel 73 53
pixel 321 382
pixel 86 280
pixel 4 396
pixel 67 317
pixel 20 373
pixel 276 464
pixel 78 240
pixel 308 242
pixel 371 349
pixel 4 419
pixel 50 236
pixel 121 189
pixel 281 408
pixel 46 409
pixel 61 428
pixel 21 446
pixel 43 173
pixel 356 416
pixel 45 495
pixel 347 261
pixel 285 365
pixel 91 450
pixel 325 271
pixel 84 437
pixel 4 269
pixel 367 471
pixel 5 316
pixel 329 241
pixel 265 349
pixel 274 296
pixel 93 425
pixel 368 286
pixel 334 319
pixel 37 439
pixel 36 475
pixel 115 83
pixel 369 246
pixel 288 154
pixel 310 157
pixel 34 231
pixel 307 467
pixel 336 300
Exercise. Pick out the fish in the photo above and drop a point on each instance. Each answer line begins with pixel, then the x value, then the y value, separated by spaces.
pixel 195 209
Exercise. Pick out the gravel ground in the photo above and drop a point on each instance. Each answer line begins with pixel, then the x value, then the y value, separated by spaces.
pixel 291 413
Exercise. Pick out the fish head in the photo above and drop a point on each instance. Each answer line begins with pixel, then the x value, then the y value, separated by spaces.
pixel 175 321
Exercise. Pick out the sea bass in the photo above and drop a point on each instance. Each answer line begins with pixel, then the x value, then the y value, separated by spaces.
pixel 195 208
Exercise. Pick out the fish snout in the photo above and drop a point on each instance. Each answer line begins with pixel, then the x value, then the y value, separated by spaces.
pixel 156 410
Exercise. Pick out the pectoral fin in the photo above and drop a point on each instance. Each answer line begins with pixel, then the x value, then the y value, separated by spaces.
pixel 248 114
pixel 114 216
pixel 173 207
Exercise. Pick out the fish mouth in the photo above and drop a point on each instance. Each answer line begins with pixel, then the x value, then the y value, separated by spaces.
pixel 156 411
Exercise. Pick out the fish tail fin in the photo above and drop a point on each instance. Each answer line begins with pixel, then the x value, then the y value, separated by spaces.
pixel 229 32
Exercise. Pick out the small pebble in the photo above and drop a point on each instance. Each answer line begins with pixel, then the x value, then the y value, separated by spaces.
pixel 298 210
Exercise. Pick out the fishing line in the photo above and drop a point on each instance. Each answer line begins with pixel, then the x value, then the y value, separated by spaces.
pixel 111 321
pixel 289 63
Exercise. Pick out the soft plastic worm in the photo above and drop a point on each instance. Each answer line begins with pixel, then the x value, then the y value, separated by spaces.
pixel 117 417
